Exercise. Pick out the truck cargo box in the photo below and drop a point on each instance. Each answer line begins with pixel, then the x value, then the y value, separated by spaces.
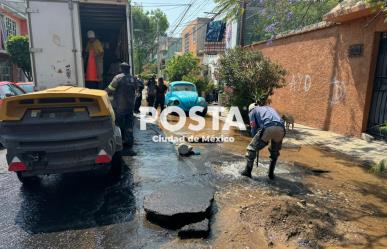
pixel 58 38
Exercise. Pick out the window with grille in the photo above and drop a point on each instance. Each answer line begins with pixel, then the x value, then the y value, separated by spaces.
pixel 186 42
pixel 194 34
pixel 10 26
pixel 5 71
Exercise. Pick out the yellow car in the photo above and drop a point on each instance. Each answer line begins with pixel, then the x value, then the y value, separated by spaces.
pixel 59 130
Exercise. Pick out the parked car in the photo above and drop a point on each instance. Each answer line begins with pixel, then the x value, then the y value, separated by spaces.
pixel 28 87
pixel 70 129
pixel 9 89
pixel 184 95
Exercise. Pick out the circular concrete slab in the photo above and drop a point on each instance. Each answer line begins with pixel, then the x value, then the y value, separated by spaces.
pixel 178 205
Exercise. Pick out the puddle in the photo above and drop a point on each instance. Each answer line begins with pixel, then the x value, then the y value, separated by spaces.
pixel 318 199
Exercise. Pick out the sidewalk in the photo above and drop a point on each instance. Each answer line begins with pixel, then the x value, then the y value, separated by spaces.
pixel 358 149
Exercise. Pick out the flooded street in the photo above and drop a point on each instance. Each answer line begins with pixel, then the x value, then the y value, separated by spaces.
pixel 319 199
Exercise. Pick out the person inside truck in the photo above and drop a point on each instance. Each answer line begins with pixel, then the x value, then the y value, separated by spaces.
pixel 94 68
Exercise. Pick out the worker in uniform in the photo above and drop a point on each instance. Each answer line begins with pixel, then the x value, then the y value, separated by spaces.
pixel 151 90
pixel 123 89
pixel 94 68
pixel 266 126
pixel 161 89
pixel 140 85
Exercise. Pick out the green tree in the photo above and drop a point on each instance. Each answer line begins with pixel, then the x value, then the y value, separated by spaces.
pixel 202 84
pixel 249 77
pixel 378 4
pixel 18 47
pixel 145 27
pixel 148 70
pixel 267 18
pixel 179 66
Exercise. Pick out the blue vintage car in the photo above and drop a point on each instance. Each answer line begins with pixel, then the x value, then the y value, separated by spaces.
pixel 184 95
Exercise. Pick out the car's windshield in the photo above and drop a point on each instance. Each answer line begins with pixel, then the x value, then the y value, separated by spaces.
pixel 27 88
pixel 184 88
pixel 10 90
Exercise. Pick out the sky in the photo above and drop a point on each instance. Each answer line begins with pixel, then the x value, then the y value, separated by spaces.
pixel 175 8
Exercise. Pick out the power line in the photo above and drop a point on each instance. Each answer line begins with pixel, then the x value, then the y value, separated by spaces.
pixel 182 13
pixel 194 13
pixel 181 19
pixel 306 12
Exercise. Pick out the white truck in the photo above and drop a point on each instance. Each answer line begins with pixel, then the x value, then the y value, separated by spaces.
pixel 58 38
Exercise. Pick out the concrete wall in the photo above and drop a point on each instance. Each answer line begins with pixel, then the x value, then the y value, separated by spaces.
pixel 326 88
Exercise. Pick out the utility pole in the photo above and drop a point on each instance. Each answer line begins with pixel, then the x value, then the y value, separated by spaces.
pixel 130 36
pixel 158 49
pixel 242 24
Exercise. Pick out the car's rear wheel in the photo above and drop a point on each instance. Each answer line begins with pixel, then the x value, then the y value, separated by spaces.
pixel 27 180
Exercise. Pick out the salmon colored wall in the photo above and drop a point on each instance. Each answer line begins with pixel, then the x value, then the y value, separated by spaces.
pixel 23 27
pixel 192 45
pixel 20 22
pixel 326 88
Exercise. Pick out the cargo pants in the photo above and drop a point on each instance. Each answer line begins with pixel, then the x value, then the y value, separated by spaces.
pixel 125 122
pixel 274 135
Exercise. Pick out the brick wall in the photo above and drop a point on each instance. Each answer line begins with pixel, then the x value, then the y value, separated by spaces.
pixel 326 88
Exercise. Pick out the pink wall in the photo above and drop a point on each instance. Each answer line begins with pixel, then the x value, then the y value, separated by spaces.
pixel 20 22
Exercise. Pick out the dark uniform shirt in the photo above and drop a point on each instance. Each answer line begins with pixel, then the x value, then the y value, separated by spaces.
pixel 124 88
pixel 151 87
pixel 161 90
pixel 262 117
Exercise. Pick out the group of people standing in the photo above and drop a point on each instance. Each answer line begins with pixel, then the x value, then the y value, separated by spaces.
pixel 156 92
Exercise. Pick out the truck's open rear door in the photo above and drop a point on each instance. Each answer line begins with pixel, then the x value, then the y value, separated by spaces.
pixel 55 46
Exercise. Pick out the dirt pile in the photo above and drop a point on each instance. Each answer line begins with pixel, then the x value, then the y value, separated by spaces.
pixel 292 220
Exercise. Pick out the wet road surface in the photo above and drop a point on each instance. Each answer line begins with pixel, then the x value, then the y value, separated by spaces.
pixel 90 210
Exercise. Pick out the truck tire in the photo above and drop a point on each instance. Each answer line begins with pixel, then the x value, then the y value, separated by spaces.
pixel 27 180
pixel 116 164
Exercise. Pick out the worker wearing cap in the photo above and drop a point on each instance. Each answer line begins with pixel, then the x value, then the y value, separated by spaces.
pixel 123 89
pixel 94 49
pixel 266 126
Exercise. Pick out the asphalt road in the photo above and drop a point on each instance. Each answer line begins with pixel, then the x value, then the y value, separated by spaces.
pixel 90 210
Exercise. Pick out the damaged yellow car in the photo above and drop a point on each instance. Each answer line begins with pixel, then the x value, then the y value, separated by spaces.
pixel 60 130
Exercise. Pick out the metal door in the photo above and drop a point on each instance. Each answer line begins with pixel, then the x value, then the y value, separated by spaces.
pixel 55 43
pixel 378 111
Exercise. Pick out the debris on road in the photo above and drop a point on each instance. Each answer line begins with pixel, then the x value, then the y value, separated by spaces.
pixel 184 149
pixel 178 205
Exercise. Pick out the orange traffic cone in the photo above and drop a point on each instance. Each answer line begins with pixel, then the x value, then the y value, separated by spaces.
pixel 91 70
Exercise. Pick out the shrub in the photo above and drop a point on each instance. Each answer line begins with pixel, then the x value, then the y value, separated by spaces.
pixel 202 84
pixel 179 66
pixel 18 48
pixel 249 77
pixel 383 128
pixel 379 169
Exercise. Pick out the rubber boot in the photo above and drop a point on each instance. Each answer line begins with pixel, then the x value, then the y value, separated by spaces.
pixel 248 169
pixel 271 168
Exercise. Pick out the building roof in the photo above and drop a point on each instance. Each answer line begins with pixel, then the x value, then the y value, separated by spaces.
pixel 17 7
pixel 348 10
